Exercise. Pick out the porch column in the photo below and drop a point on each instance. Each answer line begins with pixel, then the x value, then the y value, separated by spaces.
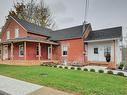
pixel 39 46
pixel 12 51
pixel 2 51
pixel 51 51
pixel 114 52
pixel 24 50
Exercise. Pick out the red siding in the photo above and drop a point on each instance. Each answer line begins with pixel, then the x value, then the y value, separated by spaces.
pixel 11 27
pixel 75 50
pixel 30 51
pixel 37 36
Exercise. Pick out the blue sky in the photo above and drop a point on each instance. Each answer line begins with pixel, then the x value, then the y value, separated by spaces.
pixel 67 13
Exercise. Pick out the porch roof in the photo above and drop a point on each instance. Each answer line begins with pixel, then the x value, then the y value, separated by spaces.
pixel 29 39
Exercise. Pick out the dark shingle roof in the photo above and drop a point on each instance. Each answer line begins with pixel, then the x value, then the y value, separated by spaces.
pixel 33 28
pixel 68 33
pixel 29 38
pixel 109 33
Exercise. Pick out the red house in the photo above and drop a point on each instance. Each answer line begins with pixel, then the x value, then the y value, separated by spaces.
pixel 22 40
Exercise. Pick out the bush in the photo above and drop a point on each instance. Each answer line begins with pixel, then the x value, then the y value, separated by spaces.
pixel 121 66
pixel 78 68
pixel 92 70
pixel 120 73
pixel 85 69
pixel 109 72
pixel 55 66
pixel 101 71
pixel 72 68
pixel 60 67
pixel 66 67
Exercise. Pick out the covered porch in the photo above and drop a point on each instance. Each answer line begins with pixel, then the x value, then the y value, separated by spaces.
pixel 28 51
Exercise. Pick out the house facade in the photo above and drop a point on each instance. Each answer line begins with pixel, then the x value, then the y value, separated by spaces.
pixel 22 40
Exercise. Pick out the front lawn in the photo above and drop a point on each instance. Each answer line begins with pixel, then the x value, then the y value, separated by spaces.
pixel 85 83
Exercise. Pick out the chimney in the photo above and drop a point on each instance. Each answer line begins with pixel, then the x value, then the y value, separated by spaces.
pixel 84 26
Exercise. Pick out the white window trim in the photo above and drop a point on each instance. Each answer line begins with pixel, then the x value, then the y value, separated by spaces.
pixel 8 35
pixel 63 50
pixel 38 50
pixel 16 33
pixel 19 50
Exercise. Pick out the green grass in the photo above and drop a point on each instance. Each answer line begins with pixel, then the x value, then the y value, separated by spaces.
pixel 75 81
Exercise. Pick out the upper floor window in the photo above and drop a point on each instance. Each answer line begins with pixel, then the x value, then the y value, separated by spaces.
pixel 17 33
pixel 64 50
pixel 8 35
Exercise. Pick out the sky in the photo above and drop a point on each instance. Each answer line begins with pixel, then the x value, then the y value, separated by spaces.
pixel 68 13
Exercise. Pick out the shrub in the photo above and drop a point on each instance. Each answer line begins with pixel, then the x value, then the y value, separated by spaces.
pixel 46 65
pixel 120 73
pixel 121 66
pixel 66 67
pixel 85 69
pixel 72 68
pixel 55 66
pixel 101 71
pixel 60 67
pixel 110 72
pixel 92 70
pixel 78 68
pixel 42 64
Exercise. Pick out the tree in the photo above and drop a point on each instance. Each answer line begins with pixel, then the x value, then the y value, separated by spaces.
pixel 37 13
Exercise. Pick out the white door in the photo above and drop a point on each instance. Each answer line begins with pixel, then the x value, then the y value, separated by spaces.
pixel 5 52
pixel 49 52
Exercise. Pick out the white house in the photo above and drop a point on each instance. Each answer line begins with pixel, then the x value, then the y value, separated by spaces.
pixel 102 42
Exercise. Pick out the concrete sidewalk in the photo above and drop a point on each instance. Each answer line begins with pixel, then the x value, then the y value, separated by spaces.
pixel 16 87
pixel 10 86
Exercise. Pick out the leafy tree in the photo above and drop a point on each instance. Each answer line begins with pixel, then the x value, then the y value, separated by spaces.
pixel 37 13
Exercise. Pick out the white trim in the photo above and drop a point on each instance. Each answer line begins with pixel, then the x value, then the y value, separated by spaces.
pixel 49 53
pixel 16 32
pixel 18 23
pixel 102 40
pixel 8 35
pixel 38 50
pixel 19 50
pixel 62 49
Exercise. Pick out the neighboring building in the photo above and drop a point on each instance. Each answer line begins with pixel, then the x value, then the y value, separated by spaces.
pixel 26 41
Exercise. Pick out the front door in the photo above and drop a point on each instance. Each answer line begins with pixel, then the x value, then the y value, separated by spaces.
pixel 5 52
pixel 49 52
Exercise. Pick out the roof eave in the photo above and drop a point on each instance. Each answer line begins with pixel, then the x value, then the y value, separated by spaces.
pixel 100 40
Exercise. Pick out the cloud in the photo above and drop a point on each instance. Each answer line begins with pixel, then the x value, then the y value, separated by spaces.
pixel 58 7
pixel 67 20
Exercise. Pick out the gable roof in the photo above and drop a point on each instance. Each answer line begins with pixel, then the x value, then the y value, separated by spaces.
pixel 63 34
pixel 109 33
pixel 68 33
pixel 33 28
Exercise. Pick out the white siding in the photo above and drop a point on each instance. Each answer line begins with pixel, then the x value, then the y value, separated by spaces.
pixel 100 56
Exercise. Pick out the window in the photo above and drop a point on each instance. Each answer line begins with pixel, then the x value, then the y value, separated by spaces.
pixel 16 33
pixel 8 35
pixel 95 50
pixel 64 50
pixel 107 50
pixel 21 50
pixel 37 50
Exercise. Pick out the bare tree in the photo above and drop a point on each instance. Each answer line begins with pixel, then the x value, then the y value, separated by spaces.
pixel 37 13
